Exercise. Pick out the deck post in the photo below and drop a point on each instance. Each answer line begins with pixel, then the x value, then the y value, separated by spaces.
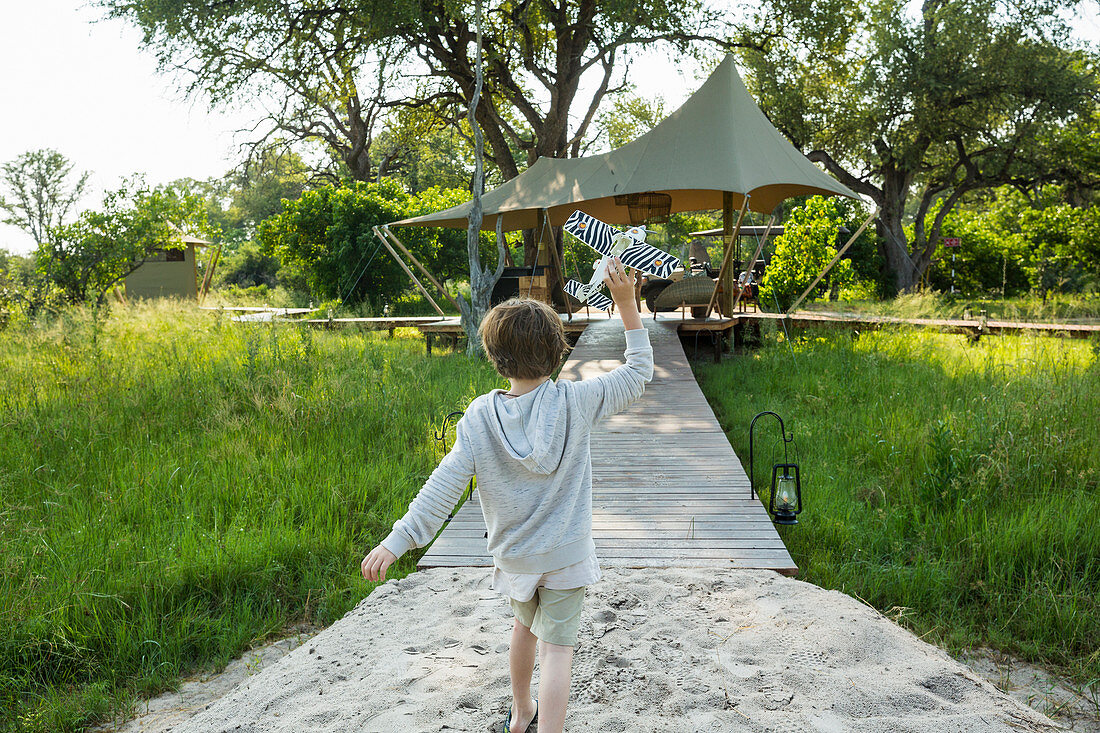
pixel 729 246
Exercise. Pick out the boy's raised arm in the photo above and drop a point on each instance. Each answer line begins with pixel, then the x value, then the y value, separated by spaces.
pixel 610 393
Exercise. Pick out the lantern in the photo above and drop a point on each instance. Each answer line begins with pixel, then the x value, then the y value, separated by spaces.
pixel 646 207
pixel 786 499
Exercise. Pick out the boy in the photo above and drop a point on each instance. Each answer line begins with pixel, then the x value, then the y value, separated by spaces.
pixel 529 448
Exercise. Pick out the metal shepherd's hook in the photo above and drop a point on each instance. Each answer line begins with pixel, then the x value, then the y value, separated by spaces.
pixel 787 438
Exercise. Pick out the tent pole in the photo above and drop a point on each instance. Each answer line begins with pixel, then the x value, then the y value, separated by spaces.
pixel 728 252
pixel 829 266
pixel 561 275
pixel 393 238
pixel 752 263
pixel 407 271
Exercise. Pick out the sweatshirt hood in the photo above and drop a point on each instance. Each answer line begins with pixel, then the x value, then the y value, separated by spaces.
pixel 528 426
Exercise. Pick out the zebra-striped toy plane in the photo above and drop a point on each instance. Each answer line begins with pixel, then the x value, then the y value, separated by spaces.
pixel 628 246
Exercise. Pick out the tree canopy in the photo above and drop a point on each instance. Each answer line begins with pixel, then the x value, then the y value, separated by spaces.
pixel 915 107
pixel 325 238
pixel 41 191
pixel 336 70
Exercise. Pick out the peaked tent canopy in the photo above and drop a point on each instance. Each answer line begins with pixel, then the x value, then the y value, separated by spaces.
pixel 717 141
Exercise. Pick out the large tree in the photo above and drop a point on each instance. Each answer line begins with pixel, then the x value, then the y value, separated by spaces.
pixel 41 190
pixel 323 71
pixel 340 66
pixel 537 53
pixel 915 106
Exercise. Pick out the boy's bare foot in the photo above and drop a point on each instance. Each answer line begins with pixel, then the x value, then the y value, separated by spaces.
pixel 522 717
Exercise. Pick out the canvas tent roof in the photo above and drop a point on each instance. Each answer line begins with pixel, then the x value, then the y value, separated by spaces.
pixel 717 141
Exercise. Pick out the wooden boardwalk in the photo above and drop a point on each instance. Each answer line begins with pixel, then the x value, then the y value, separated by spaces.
pixel 667 488
pixel 975 327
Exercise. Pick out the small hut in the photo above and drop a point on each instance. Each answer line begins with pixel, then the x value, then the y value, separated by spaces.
pixel 167 272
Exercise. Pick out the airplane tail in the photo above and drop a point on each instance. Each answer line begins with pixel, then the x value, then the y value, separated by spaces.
pixel 589 294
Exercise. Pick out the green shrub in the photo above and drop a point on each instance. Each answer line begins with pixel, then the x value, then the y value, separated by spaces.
pixel 808 243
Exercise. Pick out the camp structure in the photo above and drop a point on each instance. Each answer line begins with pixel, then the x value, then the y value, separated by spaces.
pixel 167 272
pixel 717 151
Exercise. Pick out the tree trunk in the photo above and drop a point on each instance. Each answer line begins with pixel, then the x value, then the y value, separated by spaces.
pixel 482 281
pixel 895 246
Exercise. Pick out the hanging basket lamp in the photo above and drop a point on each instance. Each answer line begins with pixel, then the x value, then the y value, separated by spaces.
pixel 645 208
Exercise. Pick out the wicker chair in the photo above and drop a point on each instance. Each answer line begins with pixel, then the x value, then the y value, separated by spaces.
pixel 692 290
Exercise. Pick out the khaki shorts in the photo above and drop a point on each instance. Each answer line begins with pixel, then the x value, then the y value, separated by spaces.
pixel 552 615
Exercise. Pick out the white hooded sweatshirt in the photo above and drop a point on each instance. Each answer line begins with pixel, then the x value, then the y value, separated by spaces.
pixel 533 466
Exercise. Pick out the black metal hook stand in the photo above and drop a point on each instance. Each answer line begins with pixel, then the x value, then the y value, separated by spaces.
pixel 441 436
pixel 787 438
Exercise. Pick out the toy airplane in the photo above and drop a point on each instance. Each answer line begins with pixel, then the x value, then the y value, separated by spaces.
pixel 628 246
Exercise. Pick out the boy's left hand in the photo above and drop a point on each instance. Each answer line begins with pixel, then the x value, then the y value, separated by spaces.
pixel 376 563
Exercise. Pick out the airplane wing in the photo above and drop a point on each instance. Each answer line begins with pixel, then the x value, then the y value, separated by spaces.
pixel 585 293
pixel 608 241
pixel 649 259
pixel 591 231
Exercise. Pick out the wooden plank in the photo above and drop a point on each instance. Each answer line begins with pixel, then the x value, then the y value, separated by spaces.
pixel 682 525
pixel 767 534
pixel 635 548
pixel 781 566
pixel 637 518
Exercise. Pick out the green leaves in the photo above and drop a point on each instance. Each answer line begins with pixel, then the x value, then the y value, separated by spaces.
pixel 1014 244
pixel 807 245
pixel 905 102
pixel 325 237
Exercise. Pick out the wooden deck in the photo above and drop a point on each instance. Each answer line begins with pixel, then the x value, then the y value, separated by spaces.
pixel 974 327
pixel 667 488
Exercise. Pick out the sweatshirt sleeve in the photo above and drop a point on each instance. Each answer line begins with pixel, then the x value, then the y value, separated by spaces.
pixel 610 393
pixel 435 500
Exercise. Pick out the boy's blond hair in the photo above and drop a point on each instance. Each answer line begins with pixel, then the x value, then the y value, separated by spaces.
pixel 524 338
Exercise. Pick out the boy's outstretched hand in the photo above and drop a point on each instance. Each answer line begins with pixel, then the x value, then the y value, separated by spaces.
pixel 376 563
pixel 621 286
pixel 618 283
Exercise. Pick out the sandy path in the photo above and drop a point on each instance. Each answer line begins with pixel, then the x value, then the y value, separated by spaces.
pixel 669 650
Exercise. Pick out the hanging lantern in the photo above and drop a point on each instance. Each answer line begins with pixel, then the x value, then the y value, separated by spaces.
pixel 645 208
pixel 786 499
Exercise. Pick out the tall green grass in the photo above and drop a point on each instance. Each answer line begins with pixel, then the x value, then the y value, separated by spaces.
pixel 955 487
pixel 174 486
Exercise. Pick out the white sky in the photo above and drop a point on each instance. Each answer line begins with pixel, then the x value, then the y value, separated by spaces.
pixel 84 88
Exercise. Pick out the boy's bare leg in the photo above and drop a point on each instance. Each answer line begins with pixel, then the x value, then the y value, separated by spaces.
pixel 521 663
pixel 556 665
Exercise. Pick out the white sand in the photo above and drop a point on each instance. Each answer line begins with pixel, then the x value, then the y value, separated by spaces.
pixel 660 650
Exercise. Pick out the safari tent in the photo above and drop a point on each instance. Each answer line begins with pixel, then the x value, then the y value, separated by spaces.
pixel 717 151
pixel 168 272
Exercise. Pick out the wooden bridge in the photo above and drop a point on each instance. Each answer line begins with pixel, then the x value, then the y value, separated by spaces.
pixel 667 488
